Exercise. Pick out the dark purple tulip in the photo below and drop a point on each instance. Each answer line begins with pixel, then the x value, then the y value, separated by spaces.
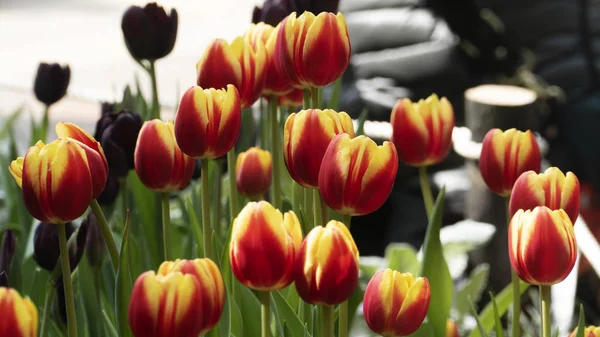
pixel 149 32
pixel 118 134
pixel 7 251
pixel 111 190
pixel 45 244
pixel 317 6
pixel 273 11
pixel 51 82
pixel 3 279
pixel 95 247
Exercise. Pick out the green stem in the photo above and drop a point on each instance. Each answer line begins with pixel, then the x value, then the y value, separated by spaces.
pixel 155 103
pixel 545 296
pixel 166 223
pixel 45 122
pixel 295 201
pixel 318 217
pixel 343 312
pixel 276 152
pixel 47 304
pixel 108 237
pixel 327 320
pixel 265 313
pixel 426 190
pixel 347 220
pixel 306 99
pixel 516 292
pixel 308 204
pixel 206 229
pixel 324 210
pixel 315 93
pixel 264 125
pixel 233 193
pixel 66 275
pixel 124 196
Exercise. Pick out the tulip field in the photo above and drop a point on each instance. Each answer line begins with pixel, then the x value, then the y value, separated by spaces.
pixel 217 224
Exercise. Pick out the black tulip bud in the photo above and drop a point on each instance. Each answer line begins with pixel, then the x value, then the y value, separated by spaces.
pixel 273 11
pixel 317 6
pixel 7 251
pixel 3 280
pixel 77 246
pixel 118 135
pixel 95 246
pixel 197 170
pixel 45 244
pixel 111 190
pixel 51 82
pixel 149 33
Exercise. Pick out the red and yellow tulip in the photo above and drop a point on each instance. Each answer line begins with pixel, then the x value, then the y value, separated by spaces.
pixel 326 269
pixel 312 51
pixel 590 331
pixel 452 329
pixel 551 189
pixel 19 315
pixel 422 131
pixel 306 136
pixel 159 162
pixel 253 172
pixel 210 283
pixel 265 34
pixel 292 99
pixel 541 245
pixel 395 304
pixel 263 246
pixel 60 179
pixel 356 175
pixel 166 306
pixel 505 155
pixel 208 121
pixel 238 64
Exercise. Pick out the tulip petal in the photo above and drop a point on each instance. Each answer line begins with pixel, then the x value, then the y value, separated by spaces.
pixel 16 170
pixel 219 66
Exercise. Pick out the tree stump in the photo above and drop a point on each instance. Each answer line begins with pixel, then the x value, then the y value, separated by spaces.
pixel 487 107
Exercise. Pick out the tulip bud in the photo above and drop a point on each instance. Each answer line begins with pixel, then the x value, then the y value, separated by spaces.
pixel 356 175
pixel 326 267
pixel 159 162
pixel 253 172
pixel 60 179
pixel 166 306
pixel 312 51
pixel 3 279
pixel 422 131
pixel 273 11
pixel 395 304
pixel 19 315
pixel 208 121
pixel 210 284
pixel 96 160
pixel 238 64
pixel 118 134
pixel 306 136
pixel 45 244
pixel 7 251
pixel 505 156
pixel 263 246
pixel 293 99
pixel 541 245
pixel 149 32
pixel 51 82
pixel 590 331
pixel 95 245
pixel 551 189
pixel 111 190
pixel 452 329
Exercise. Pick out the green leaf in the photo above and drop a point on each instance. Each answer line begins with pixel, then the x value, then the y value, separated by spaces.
pixel 581 323
pixel 8 123
pixel 436 270
pixel 498 322
pixel 425 330
pixel 369 265
pixel 471 289
pixel 195 227
pixel 287 314
pixel 479 326
pixel 111 328
pixel 503 301
pixel 124 285
pixel 334 101
pixel 402 257
pixel 250 309
pixel 362 118
pixel 90 297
